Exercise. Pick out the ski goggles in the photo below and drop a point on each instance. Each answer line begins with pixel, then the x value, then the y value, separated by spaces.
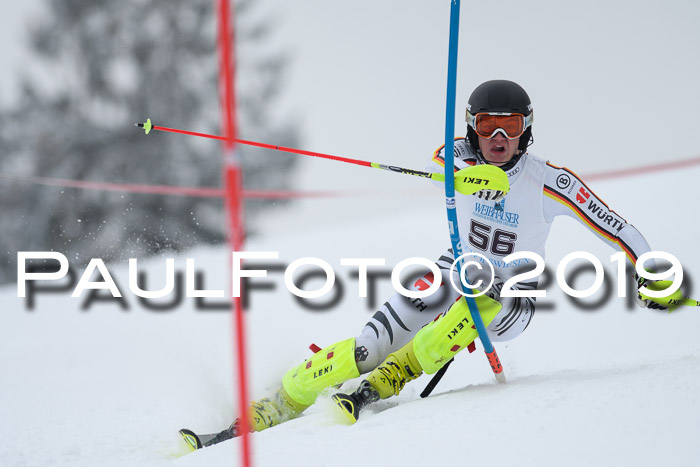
pixel 487 124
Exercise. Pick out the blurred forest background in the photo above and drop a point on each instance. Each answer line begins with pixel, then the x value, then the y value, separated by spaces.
pixel 99 66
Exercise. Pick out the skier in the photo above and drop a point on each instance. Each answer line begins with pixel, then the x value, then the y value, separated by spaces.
pixel 408 337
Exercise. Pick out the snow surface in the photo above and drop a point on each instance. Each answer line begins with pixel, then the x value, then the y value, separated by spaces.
pixel 613 386
pixel 112 387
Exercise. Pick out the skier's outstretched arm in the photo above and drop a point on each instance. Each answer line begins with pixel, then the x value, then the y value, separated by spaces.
pixel 566 194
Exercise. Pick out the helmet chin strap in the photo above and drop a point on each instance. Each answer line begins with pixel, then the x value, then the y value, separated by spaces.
pixel 505 167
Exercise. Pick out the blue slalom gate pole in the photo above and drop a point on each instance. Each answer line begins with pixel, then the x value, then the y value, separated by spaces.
pixel 450 191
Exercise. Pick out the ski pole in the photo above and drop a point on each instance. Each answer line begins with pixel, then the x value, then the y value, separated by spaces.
pixel 686 301
pixel 450 192
pixel 467 181
pixel 671 301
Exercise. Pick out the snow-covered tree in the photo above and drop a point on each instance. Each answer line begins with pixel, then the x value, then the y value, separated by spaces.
pixel 98 66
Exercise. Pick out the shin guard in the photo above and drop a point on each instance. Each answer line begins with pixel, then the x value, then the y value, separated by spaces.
pixel 329 367
pixel 439 341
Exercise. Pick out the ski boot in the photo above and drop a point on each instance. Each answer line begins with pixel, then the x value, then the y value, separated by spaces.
pixel 433 346
pixel 274 410
pixel 387 380
pixel 264 414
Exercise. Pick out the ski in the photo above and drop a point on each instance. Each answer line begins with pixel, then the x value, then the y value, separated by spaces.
pixel 350 405
pixel 196 441
pixel 191 439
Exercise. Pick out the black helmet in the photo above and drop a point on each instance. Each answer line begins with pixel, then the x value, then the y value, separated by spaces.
pixel 499 96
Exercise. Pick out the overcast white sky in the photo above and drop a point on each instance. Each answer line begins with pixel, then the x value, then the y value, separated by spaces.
pixel 601 74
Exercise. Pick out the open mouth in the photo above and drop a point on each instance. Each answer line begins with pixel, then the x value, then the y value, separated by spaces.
pixel 498 149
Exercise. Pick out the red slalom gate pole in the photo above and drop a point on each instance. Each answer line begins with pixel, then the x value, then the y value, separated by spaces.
pixel 234 200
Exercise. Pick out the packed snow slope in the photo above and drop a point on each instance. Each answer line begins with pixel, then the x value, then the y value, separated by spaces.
pixel 110 387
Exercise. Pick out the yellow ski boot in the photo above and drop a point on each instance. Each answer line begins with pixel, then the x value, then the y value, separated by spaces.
pixel 274 410
pixel 387 380
pixel 431 347
pixel 263 414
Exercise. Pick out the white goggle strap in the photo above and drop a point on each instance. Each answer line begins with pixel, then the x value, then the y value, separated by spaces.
pixel 470 120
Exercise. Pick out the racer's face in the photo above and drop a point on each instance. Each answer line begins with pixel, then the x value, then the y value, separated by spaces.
pixel 498 150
